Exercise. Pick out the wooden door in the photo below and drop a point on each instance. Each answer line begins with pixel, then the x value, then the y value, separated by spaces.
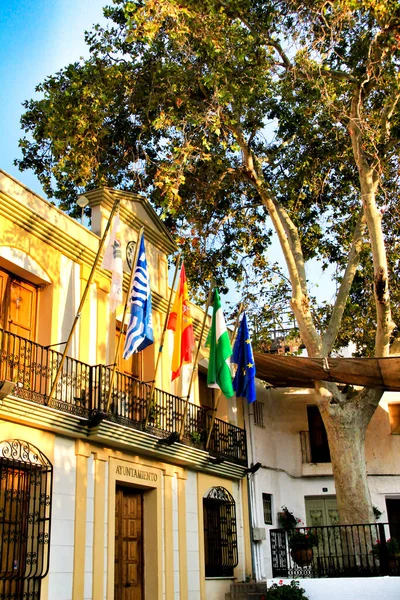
pixel 128 583
pixel 14 501
pixel 321 511
pixel 393 513
pixel 18 305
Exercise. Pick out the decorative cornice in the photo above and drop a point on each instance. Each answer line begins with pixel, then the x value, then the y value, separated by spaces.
pixel 56 237
pixel 113 435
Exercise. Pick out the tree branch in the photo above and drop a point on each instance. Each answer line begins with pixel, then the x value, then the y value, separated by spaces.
pixel 369 182
pixel 328 339
pixel 290 245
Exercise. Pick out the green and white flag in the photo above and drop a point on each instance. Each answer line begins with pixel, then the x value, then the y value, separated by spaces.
pixel 219 371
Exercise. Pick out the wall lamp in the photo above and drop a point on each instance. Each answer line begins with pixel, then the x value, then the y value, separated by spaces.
pixel 171 439
pixel 215 460
pixel 6 388
pixel 254 468
pixel 96 417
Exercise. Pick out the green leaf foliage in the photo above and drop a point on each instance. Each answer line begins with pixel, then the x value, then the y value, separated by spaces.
pixel 175 94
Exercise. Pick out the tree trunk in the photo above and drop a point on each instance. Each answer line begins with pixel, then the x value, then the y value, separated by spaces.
pixel 346 421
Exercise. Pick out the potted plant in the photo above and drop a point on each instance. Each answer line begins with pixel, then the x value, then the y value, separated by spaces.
pixel 392 549
pixel 301 544
pixel 290 591
pixel 286 519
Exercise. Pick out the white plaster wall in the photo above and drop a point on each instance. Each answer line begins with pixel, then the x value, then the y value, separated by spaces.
pixel 92 357
pixel 175 534
pixel 217 588
pixel 63 520
pixel 68 303
pixel 192 537
pixel 106 529
pixel 163 536
pixel 89 530
pixel 240 569
pixel 360 588
pixel 277 447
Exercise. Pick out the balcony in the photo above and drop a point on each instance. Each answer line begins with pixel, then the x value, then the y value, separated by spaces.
pixel 334 551
pixel 83 391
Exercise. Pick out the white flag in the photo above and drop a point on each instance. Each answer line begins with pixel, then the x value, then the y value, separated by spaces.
pixel 112 261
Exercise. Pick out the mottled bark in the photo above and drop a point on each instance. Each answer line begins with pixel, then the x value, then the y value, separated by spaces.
pixel 346 418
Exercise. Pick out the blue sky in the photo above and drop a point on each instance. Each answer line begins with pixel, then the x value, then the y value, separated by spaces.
pixel 37 38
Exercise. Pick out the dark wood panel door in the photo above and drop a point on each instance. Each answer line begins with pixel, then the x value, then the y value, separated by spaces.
pixel 18 300
pixel 128 544
pixel 393 513
pixel 318 438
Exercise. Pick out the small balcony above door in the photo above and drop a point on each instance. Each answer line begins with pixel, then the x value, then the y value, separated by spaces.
pixel 315 455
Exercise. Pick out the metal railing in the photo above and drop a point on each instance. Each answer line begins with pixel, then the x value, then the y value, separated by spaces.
pixel 334 551
pixel 83 390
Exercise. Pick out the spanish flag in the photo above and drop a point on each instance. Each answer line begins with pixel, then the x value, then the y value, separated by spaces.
pixel 180 322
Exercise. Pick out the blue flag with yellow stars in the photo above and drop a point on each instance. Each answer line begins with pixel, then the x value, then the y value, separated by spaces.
pixel 244 383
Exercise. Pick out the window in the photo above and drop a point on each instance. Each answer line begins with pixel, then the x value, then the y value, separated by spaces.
pixel 318 439
pixel 220 536
pixel 394 417
pixel 258 408
pixel 25 513
pixel 267 508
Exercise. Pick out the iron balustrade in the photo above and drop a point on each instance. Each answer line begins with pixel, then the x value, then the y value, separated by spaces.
pixel 83 390
pixel 33 368
pixel 333 551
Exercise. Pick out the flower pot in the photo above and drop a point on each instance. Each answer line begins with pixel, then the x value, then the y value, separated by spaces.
pixel 302 556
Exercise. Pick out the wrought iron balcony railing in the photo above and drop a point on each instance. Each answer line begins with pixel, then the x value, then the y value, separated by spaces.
pixel 83 390
pixel 334 551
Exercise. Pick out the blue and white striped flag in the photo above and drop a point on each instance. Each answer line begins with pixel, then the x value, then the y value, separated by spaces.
pixel 139 334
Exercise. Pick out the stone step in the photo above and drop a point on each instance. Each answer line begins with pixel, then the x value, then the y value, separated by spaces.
pixel 246 596
pixel 247 591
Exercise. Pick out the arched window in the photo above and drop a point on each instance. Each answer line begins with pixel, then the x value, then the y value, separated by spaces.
pixel 220 535
pixel 26 477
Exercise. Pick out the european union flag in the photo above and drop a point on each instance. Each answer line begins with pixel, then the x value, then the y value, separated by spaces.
pixel 244 383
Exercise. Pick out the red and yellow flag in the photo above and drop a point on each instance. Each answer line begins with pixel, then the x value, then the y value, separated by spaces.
pixel 180 322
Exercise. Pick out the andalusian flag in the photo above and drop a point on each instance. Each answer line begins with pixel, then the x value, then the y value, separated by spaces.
pixel 219 371
pixel 181 323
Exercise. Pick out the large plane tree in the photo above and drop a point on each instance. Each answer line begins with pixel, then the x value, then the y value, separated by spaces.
pixel 242 120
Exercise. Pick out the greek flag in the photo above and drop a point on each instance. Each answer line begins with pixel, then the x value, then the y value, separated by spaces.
pixel 139 334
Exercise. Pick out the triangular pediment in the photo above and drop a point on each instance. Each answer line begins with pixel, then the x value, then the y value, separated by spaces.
pixel 135 211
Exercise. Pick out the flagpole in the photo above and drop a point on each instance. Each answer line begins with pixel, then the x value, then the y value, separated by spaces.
pixel 160 347
pixel 236 327
pixel 213 418
pixel 195 360
pixel 82 302
pixel 123 318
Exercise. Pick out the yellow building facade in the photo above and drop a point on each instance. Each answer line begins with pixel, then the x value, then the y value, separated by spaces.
pixel 95 502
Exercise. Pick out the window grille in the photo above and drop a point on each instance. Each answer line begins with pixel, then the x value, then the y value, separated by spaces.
pixel 25 514
pixel 258 408
pixel 267 508
pixel 220 535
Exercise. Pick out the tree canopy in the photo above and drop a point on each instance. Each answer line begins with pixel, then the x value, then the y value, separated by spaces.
pixel 238 118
